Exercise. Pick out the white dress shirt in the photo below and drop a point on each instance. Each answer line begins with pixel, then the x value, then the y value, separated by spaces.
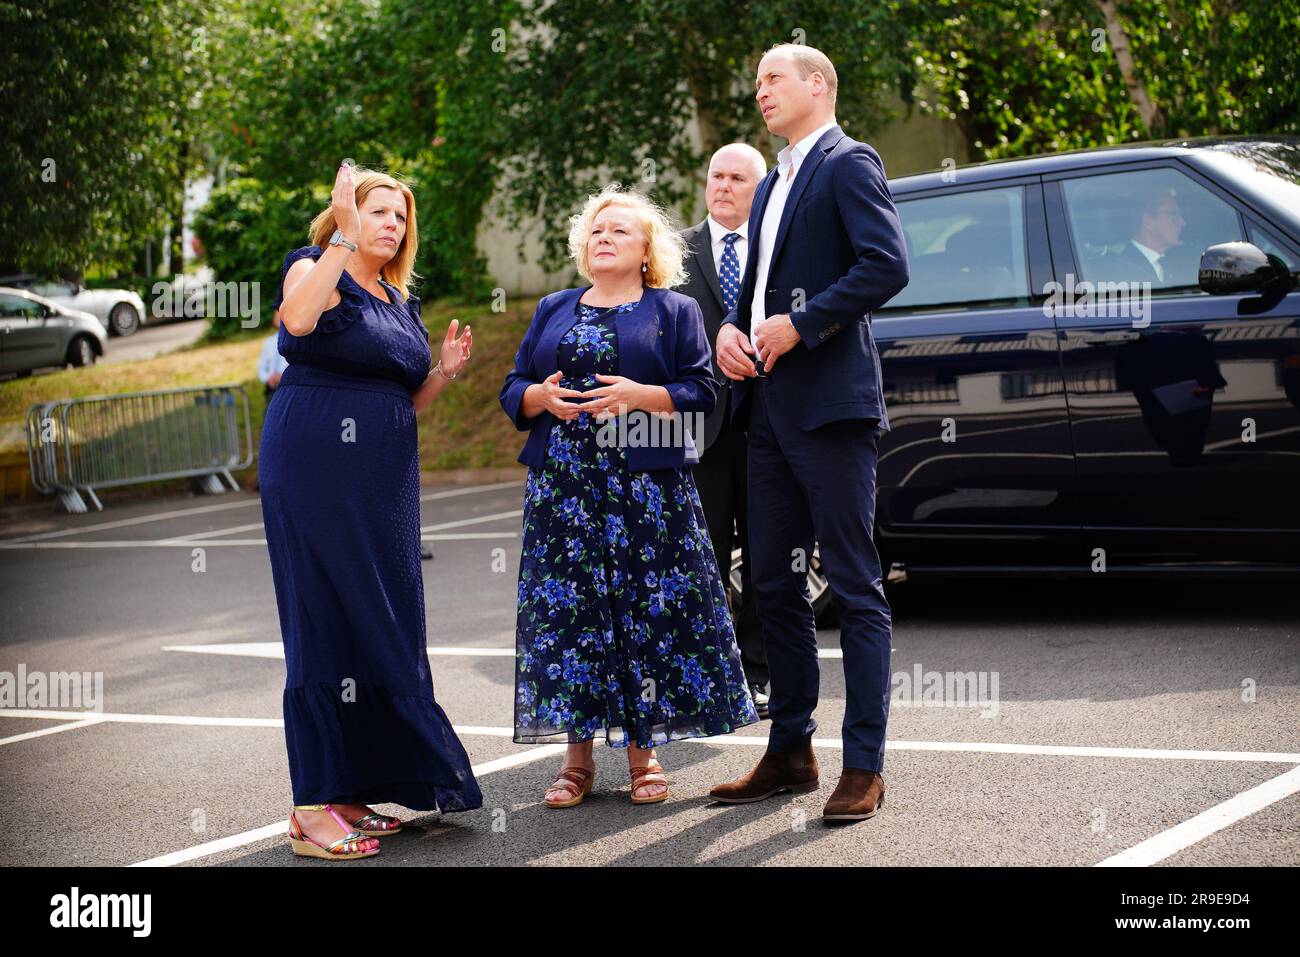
pixel 719 232
pixel 1153 258
pixel 788 162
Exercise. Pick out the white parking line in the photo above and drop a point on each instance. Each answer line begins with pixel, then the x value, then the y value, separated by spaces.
pixel 138 520
pixel 223 506
pixel 70 726
pixel 1181 836
pixel 218 532
pixel 100 717
pixel 226 542
pixel 454 492
pixel 479 520
pixel 1151 851
pixel 275 649
pixel 215 533
pixel 279 829
pixel 749 740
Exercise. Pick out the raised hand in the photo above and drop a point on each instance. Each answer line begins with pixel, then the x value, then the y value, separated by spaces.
pixel 343 202
pixel 455 349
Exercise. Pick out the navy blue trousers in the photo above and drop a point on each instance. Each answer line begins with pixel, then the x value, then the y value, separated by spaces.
pixel 818 486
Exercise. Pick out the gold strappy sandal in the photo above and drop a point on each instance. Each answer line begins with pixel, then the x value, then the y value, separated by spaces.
pixel 352 846
pixel 378 825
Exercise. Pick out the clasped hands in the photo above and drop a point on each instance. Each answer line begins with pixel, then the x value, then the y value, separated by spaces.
pixel 619 395
pixel 775 336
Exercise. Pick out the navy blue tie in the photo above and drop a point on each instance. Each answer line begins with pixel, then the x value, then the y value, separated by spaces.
pixel 729 276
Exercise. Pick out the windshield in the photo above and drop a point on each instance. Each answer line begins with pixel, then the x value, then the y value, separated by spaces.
pixel 1269 169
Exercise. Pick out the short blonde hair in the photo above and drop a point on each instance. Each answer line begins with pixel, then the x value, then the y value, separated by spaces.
pixel 400 270
pixel 665 249
pixel 810 60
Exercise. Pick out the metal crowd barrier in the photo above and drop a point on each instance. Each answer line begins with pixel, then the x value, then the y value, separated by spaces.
pixel 79 445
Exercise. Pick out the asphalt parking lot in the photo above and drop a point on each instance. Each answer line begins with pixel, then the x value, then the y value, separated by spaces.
pixel 1145 722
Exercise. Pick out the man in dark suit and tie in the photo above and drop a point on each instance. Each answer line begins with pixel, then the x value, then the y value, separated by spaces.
pixel 716 252
pixel 825 249
pixel 1144 257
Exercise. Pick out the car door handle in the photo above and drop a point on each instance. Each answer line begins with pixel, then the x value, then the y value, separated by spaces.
pixel 1115 337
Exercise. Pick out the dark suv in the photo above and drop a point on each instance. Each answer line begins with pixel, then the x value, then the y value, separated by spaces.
pixel 1096 363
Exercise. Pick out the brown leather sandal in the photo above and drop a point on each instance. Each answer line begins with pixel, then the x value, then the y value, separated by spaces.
pixel 649 774
pixel 574 781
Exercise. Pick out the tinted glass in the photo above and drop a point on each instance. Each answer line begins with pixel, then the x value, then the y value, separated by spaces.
pixel 967 248
pixel 1145 226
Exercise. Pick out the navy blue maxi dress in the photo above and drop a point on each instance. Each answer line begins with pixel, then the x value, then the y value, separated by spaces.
pixel 339 473
pixel 622 621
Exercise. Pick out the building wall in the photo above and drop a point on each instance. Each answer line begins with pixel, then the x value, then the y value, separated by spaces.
pixel 909 145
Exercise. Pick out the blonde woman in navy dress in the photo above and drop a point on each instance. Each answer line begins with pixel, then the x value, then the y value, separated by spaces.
pixel 339 470
pixel 622 624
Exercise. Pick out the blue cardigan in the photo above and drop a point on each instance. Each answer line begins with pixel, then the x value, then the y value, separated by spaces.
pixel 660 342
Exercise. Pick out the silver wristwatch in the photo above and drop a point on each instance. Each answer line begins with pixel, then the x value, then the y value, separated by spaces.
pixel 338 239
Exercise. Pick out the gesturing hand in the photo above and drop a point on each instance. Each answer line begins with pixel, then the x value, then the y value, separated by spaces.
pixel 343 203
pixel 553 396
pixel 455 349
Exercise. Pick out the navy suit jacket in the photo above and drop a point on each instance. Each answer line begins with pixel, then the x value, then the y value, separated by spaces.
pixel 660 342
pixel 839 255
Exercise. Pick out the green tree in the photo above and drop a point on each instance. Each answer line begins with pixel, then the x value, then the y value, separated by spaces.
pixel 103 107
pixel 604 92
pixel 409 87
pixel 1030 76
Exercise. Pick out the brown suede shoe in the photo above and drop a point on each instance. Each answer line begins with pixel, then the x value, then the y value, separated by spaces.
pixel 858 796
pixel 777 771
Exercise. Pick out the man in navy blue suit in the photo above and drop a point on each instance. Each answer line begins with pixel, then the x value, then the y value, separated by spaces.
pixel 825 250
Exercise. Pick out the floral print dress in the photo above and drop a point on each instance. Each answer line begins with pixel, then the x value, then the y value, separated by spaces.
pixel 622 621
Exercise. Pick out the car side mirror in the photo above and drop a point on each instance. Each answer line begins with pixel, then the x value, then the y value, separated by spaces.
pixel 1228 268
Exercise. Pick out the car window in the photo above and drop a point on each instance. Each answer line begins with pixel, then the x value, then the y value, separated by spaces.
pixel 965 248
pixel 1268 244
pixel 11 306
pixel 1145 226
pixel 52 289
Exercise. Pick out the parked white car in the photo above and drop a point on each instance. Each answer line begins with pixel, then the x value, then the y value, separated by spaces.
pixel 121 311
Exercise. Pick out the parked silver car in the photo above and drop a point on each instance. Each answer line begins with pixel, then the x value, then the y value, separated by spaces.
pixel 120 311
pixel 36 332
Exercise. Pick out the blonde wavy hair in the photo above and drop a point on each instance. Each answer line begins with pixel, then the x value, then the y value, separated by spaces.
pixel 665 248
pixel 400 270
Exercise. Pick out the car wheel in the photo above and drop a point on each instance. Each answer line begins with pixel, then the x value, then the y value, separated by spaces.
pixel 823 599
pixel 81 352
pixel 123 320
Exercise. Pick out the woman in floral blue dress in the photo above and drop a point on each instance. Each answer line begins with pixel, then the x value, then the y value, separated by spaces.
pixel 623 625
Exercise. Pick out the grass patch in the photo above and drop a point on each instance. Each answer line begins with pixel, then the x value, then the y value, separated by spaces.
pixel 463 428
